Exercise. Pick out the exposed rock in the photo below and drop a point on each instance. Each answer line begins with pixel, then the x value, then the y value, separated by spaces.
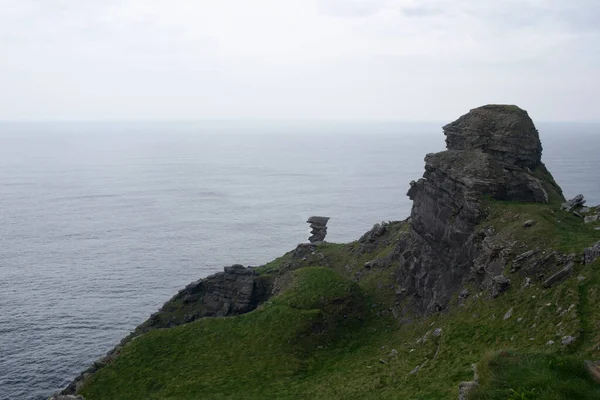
pixel 585 210
pixel 550 342
pixel 591 254
pixel 529 223
pixel 65 397
pixel 236 290
pixel 500 285
pixel 559 276
pixel 567 340
pixel 318 228
pixel 505 132
pixel 378 230
pixel 437 332
pixel 576 202
pixel 304 250
pixel 492 151
pixel 465 387
pixel 393 353
pixel 508 314
pixel 526 282
pixel 591 218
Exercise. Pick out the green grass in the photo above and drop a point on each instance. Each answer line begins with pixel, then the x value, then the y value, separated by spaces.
pixel 330 333
pixel 554 228
pixel 512 376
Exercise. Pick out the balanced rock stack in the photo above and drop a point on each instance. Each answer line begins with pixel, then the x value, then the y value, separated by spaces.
pixel 318 227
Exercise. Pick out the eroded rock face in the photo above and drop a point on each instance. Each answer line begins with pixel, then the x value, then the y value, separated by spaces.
pixel 318 227
pixel 505 132
pixel 493 151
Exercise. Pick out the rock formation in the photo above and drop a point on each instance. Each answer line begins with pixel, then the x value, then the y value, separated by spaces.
pixel 236 290
pixel 318 227
pixel 492 152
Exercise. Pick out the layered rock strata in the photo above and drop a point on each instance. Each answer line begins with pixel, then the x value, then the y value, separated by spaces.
pixel 318 227
pixel 493 152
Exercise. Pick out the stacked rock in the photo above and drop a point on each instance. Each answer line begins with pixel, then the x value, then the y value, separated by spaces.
pixel 318 227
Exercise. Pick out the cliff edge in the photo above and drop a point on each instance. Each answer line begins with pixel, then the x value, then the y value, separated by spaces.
pixel 491 258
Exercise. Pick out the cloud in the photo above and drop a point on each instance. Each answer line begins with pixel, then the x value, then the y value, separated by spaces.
pixel 351 8
pixel 425 59
pixel 421 12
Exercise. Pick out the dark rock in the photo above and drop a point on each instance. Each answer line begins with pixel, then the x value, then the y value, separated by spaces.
pixel 500 284
pixel 591 254
pixel 304 250
pixel 65 397
pixel 576 202
pixel 521 259
pixel 559 276
pixel 505 132
pixel 378 230
pixel 318 228
pixel 494 151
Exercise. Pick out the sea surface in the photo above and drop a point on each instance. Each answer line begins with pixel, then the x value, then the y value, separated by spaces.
pixel 101 223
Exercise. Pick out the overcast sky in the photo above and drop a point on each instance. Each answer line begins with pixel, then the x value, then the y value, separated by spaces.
pixel 401 59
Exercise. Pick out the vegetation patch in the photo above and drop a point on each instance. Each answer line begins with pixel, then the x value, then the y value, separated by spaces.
pixel 512 376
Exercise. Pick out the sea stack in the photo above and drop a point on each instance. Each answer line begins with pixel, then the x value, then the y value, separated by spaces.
pixel 318 227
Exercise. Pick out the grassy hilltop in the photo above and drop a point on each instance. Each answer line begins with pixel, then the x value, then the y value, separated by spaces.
pixel 331 332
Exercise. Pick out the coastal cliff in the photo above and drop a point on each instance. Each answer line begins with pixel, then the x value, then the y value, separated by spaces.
pixel 491 258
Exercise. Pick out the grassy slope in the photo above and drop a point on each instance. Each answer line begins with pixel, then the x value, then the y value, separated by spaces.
pixel 299 345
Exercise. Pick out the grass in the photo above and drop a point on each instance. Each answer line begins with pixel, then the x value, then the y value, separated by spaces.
pixel 330 333
pixel 512 376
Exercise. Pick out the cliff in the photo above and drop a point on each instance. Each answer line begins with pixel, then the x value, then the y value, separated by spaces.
pixel 491 258
pixel 494 152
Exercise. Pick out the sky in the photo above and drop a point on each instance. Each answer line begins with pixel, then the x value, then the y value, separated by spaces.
pixel 414 60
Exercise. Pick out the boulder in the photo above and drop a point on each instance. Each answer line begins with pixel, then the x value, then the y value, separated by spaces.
pixel 576 202
pixel 500 284
pixel 591 254
pixel 591 218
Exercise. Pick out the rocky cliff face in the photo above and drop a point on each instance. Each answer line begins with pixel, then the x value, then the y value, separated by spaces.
pixel 492 152
pixel 237 290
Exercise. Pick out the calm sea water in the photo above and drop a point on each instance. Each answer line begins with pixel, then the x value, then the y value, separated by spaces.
pixel 102 223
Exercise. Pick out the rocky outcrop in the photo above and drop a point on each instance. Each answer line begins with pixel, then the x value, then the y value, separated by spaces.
pixel 318 227
pixel 591 254
pixel 237 290
pixel 492 152
pixel 573 204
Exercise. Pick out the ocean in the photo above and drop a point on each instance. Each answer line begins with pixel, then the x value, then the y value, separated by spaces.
pixel 101 223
